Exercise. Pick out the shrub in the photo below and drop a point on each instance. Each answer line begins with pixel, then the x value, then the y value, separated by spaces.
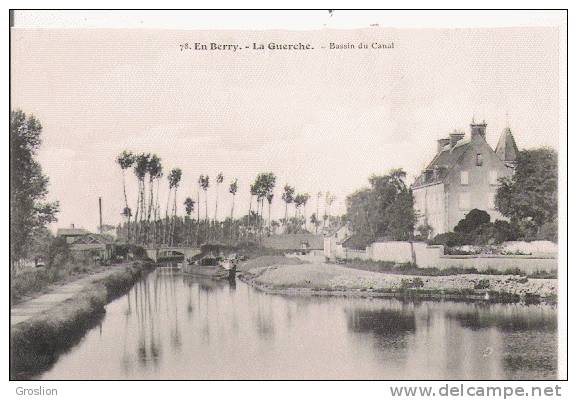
pixel 486 234
pixel 472 221
pixel 58 252
pixel 209 261
pixel 548 231
pixel 482 284
pixel 505 231
pixel 450 239
pixel 139 252
pixel 412 283
pixel 424 231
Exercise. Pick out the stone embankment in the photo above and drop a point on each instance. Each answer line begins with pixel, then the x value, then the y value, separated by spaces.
pixel 329 279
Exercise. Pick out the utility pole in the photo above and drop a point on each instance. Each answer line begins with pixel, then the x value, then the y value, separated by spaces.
pixel 100 212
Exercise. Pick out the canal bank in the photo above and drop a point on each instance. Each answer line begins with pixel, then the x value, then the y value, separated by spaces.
pixel 278 276
pixel 174 326
pixel 42 328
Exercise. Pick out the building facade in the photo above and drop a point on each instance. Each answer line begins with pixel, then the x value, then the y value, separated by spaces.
pixel 463 175
pixel 86 244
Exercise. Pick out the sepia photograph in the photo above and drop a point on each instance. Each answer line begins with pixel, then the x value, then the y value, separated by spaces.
pixel 340 201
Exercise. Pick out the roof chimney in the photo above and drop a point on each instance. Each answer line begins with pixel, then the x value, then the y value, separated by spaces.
pixel 455 137
pixel 442 143
pixel 478 129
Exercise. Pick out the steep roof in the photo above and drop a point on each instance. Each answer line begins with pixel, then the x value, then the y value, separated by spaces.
pixel 71 232
pixel 506 148
pixel 443 162
pixel 93 238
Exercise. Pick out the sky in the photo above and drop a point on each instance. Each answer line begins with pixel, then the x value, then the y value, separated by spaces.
pixel 321 120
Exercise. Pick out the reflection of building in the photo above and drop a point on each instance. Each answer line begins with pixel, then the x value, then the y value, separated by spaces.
pixel 84 243
pixel 462 176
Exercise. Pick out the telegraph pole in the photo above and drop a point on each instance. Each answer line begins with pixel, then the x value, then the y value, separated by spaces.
pixel 100 212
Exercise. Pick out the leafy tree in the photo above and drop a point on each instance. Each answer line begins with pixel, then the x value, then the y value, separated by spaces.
pixel 329 200
pixel 288 198
pixel 174 178
pixel 529 197
pixel 269 198
pixel 263 187
pixel 125 161
pixel 383 209
pixel 140 170
pixel 189 208
pixel 204 181
pixel 232 189
pixel 154 169
pixel 315 222
pixel 29 210
pixel 219 180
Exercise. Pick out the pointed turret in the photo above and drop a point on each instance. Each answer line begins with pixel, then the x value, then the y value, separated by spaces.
pixel 506 148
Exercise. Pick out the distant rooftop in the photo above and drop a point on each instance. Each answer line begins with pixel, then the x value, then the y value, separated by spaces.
pixel 71 232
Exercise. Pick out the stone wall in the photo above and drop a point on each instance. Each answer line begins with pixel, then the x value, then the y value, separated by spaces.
pixel 426 256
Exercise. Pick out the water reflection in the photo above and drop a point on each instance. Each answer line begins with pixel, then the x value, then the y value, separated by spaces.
pixel 172 326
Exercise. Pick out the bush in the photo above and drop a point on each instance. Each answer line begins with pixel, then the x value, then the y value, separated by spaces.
pixel 548 231
pixel 482 284
pixel 58 252
pixel 414 283
pixel 472 221
pixel 505 231
pixel 209 261
pixel 139 252
pixel 450 239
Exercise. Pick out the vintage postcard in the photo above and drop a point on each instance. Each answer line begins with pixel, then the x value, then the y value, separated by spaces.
pixel 367 202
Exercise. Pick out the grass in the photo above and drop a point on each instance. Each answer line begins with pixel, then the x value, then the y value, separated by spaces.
pixel 36 281
pixel 36 343
pixel 412 269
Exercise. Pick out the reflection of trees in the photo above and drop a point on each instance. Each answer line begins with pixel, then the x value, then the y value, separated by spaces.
pixel 389 329
pixel 264 320
pixel 528 337
pixel 532 357
pixel 507 320
pixel 148 343
pixel 381 322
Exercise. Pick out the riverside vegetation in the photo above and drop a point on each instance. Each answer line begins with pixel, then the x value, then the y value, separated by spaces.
pixel 285 275
pixel 38 341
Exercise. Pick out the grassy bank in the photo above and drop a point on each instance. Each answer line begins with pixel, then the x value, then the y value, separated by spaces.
pixel 412 269
pixel 330 279
pixel 37 342
pixel 36 281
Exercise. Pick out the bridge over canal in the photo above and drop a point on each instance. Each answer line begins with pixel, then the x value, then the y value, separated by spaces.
pixel 160 253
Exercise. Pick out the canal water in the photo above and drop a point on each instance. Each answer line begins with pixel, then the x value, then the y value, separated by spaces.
pixel 171 326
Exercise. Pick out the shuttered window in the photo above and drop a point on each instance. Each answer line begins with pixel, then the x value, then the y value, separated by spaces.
pixel 464 201
pixel 464 177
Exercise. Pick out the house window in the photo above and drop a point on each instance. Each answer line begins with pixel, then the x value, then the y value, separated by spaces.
pixel 479 159
pixel 493 177
pixel 464 201
pixel 464 177
pixel 491 201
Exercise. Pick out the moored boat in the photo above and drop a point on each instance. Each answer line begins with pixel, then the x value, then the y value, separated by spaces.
pixel 206 271
pixel 211 267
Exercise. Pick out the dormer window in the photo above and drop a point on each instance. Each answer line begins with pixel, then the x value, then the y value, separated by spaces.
pixel 479 159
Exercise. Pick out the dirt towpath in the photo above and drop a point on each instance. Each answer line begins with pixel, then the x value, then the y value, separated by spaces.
pixel 60 293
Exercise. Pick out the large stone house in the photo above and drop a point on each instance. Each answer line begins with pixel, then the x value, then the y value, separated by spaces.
pixel 462 176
